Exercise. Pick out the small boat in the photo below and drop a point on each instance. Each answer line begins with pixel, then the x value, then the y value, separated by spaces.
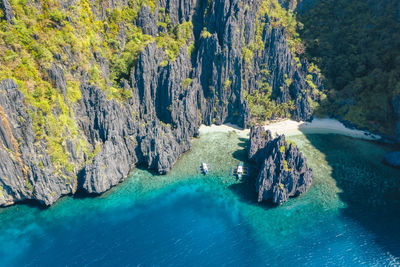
pixel 240 171
pixel 204 168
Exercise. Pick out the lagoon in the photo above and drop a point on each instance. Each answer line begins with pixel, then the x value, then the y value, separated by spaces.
pixel 350 215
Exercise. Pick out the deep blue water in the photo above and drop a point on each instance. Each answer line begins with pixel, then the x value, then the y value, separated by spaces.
pixel 175 229
pixel 349 216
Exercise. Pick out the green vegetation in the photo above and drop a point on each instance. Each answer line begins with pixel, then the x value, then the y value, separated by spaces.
pixel 205 33
pixel 290 142
pixel 227 84
pixel 248 54
pixel 285 166
pixel 174 37
pixel 288 81
pixel 278 17
pixel 262 106
pixel 44 31
pixel 261 102
pixel 356 45
pixel 28 185
pixel 186 83
pixel 91 155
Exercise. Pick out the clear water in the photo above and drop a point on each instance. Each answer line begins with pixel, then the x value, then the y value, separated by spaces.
pixel 350 216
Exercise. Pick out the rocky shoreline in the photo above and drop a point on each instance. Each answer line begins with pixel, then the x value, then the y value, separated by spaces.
pixel 165 103
pixel 283 171
pixel 93 141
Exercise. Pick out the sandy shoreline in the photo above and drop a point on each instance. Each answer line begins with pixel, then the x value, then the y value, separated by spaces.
pixel 290 128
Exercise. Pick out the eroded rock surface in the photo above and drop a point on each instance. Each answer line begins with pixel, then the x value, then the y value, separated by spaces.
pixel 283 171
pixel 167 101
pixel 7 10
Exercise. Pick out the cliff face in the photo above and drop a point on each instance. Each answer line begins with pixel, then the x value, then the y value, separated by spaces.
pixel 114 115
pixel 283 171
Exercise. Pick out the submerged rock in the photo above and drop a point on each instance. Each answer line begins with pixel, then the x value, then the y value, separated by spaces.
pixel 393 159
pixel 283 171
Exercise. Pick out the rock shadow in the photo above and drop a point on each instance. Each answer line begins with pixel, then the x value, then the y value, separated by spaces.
pixel 241 154
pixel 245 189
pixel 246 192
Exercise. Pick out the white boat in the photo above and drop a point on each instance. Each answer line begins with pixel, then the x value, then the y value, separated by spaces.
pixel 204 168
pixel 240 171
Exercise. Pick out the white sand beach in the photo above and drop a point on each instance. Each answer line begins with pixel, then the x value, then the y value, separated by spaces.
pixel 224 128
pixel 290 128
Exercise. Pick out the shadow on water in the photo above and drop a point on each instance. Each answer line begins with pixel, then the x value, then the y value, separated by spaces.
pixel 34 204
pixel 245 189
pixel 241 154
pixel 370 189
pixel 81 193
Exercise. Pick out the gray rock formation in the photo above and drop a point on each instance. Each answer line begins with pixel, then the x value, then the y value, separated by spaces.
pixel 168 102
pixel 26 170
pixel 259 139
pixel 288 4
pixel 7 10
pixel 283 171
pixel 56 75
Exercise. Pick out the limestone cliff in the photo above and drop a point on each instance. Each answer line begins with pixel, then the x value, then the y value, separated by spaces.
pixel 283 171
pixel 84 113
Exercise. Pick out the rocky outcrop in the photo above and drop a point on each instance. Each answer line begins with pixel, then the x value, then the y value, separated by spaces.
pixel 289 4
pixel 56 75
pixel 166 101
pixel 283 171
pixel 259 139
pixel 7 10
pixel 26 170
pixel 225 72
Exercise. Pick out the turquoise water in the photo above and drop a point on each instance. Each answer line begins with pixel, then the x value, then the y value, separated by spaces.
pixel 350 216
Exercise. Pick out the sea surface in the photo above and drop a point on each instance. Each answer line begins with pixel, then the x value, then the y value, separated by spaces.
pixel 349 217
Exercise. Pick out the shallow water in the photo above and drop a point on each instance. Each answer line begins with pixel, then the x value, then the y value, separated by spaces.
pixel 349 216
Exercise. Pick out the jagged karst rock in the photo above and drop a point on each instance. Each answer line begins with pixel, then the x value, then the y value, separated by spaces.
pixel 288 4
pixel 26 171
pixel 147 20
pixel 283 169
pixel 7 10
pixel 205 83
pixel 259 139
pixel 56 74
